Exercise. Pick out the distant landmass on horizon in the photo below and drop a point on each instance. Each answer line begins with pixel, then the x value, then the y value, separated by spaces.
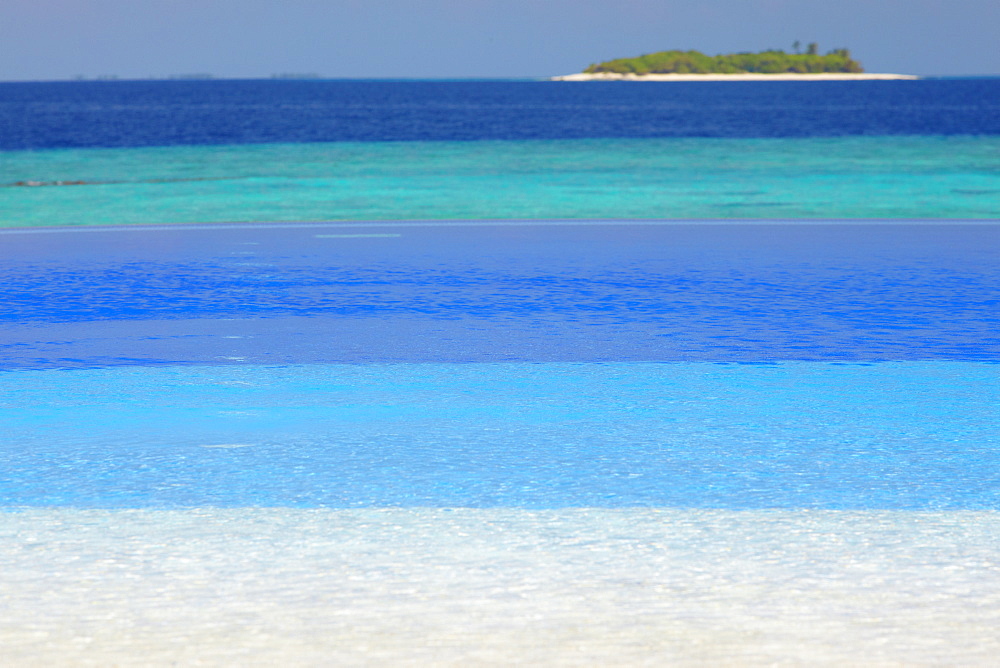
pixel 766 62
pixel 773 64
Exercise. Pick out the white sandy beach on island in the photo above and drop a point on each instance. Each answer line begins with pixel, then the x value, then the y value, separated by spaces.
pixel 823 76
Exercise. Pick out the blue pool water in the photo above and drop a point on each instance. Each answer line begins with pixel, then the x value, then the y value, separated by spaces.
pixel 596 292
pixel 894 435
pixel 596 365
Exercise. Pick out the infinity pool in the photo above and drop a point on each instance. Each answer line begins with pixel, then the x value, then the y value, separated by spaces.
pixel 597 443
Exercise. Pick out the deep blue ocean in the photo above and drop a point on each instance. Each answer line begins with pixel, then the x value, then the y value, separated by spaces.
pixel 172 113
pixel 500 294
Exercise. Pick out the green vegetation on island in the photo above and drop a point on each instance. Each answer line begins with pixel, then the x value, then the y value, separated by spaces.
pixel 766 62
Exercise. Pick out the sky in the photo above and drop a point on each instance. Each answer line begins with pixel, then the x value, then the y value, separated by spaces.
pixel 65 39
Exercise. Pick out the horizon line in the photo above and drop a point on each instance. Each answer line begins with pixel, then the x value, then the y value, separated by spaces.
pixel 278 78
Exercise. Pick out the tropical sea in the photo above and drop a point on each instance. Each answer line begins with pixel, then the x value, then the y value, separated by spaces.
pixel 451 372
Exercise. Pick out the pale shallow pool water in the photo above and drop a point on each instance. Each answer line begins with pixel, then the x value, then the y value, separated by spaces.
pixel 568 587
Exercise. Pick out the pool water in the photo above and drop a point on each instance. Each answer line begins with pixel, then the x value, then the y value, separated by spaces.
pixel 599 443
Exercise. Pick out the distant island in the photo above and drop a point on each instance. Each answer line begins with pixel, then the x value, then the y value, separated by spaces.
pixel 771 64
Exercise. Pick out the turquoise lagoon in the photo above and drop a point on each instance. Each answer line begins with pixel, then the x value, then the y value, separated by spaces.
pixel 687 178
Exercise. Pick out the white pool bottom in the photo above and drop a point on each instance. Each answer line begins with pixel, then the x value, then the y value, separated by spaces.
pixel 496 587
